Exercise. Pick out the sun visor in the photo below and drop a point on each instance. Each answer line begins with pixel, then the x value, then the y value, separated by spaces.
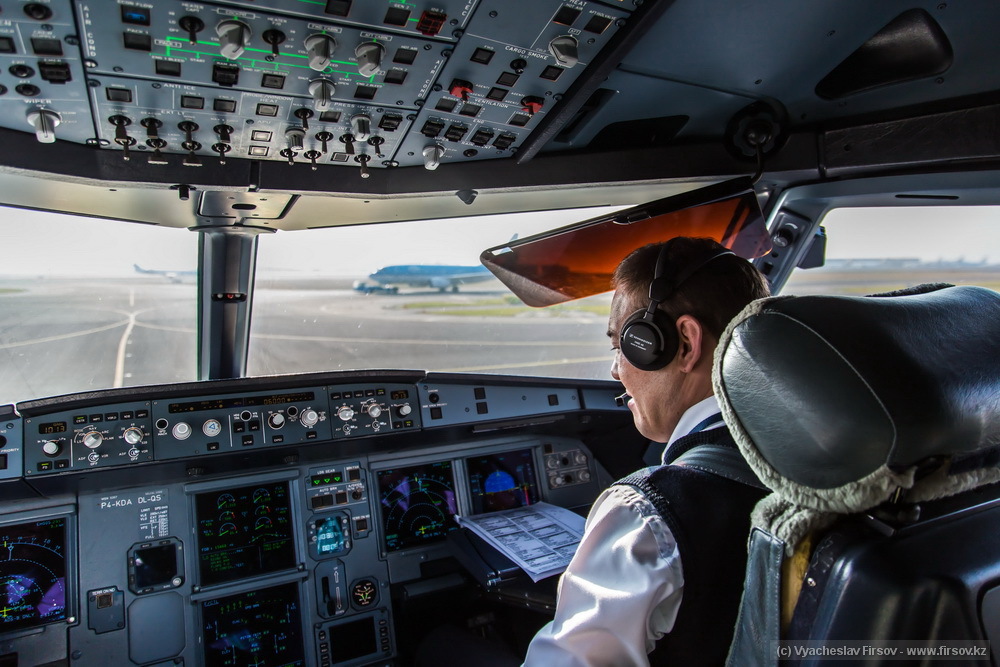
pixel 578 260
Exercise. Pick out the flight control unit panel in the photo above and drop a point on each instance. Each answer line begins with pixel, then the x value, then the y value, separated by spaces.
pixel 242 522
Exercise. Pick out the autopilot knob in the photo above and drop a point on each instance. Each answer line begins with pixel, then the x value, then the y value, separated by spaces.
pixel 44 121
pixel 51 448
pixel 93 439
pixel 404 410
pixel 309 417
pixel 181 430
pixel 369 55
pixel 276 420
pixel 346 413
pixel 320 48
pixel 234 37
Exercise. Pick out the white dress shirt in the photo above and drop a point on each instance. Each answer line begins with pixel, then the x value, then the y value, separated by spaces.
pixel 622 590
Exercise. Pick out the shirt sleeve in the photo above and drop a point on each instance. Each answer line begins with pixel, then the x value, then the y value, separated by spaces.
pixel 621 591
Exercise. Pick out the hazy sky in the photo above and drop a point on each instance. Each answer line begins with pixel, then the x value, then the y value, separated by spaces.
pixel 37 243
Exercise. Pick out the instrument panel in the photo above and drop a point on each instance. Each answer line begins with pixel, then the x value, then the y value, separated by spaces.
pixel 220 556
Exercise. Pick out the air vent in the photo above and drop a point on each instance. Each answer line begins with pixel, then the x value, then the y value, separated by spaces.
pixel 912 46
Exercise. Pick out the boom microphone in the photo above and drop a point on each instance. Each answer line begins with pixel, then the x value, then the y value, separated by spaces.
pixel 620 401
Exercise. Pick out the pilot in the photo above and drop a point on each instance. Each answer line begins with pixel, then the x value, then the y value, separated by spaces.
pixel 659 572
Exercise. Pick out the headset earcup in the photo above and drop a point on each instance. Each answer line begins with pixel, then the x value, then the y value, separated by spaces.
pixel 647 343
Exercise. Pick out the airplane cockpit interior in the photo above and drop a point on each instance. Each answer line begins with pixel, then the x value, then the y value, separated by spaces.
pixel 292 289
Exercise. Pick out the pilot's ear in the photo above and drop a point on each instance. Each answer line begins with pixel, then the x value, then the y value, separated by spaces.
pixel 690 335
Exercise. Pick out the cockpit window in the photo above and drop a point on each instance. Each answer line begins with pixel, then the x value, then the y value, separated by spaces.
pixel 92 304
pixel 871 250
pixel 415 296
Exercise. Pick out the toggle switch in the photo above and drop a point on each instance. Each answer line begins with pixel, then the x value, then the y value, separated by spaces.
pixel 460 88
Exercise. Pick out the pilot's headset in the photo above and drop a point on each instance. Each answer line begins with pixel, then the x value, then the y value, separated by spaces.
pixel 649 337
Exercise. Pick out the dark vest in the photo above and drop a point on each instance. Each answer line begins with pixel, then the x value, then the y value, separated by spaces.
pixel 709 516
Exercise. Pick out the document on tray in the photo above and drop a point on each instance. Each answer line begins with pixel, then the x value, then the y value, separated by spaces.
pixel 541 538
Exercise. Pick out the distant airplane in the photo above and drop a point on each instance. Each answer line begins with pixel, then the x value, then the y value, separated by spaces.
pixel 172 276
pixel 389 278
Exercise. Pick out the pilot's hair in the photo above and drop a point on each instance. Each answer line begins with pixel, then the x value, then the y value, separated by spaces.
pixel 713 295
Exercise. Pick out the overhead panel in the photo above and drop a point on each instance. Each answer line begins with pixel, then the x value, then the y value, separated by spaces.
pixel 333 82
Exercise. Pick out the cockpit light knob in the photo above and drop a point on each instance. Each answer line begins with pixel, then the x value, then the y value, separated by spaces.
pixel 44 121
pixel 322 91
pixel 346 413
pixel 51 448
pixel 432 156
pixel 309 417
pixel 234 36
pixel 320 48
pixel 369 55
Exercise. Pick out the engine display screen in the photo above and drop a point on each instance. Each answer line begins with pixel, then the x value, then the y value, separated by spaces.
pixel 32 574
pixel 418 504
pixel 502 481
pixel 244 532
pixel 261 627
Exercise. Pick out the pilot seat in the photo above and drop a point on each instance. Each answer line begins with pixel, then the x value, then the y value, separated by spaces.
pixel 875 423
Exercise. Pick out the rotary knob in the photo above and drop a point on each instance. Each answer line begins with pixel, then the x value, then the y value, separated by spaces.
pixel 322 91
pixel 44 122
pixel 181 430
pixel 276 420
pixel 133 435
pixel 404 410
pixel 369 55
pixel 234 37
pixel 320 48
pixel 432 156
pixel 374 411
pixel 51 448
pixel 346 413
pixel 309 417
pixel 93 439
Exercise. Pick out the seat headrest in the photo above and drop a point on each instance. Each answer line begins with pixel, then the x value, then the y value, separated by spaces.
pixel 830 389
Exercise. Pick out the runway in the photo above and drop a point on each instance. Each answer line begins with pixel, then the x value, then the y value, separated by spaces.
pixel 63 336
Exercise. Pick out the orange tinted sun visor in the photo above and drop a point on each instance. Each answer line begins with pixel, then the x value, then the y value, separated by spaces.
pixel 578 260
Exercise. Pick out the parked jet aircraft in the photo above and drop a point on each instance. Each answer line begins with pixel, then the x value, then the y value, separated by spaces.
pixel 442 278
pixel 247 471
pixel 172 276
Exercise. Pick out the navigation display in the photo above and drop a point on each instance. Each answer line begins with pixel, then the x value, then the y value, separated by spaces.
pixel 244 532
pixel 417 504
pixel 502 481
pixel 32 573
pixel 254 628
